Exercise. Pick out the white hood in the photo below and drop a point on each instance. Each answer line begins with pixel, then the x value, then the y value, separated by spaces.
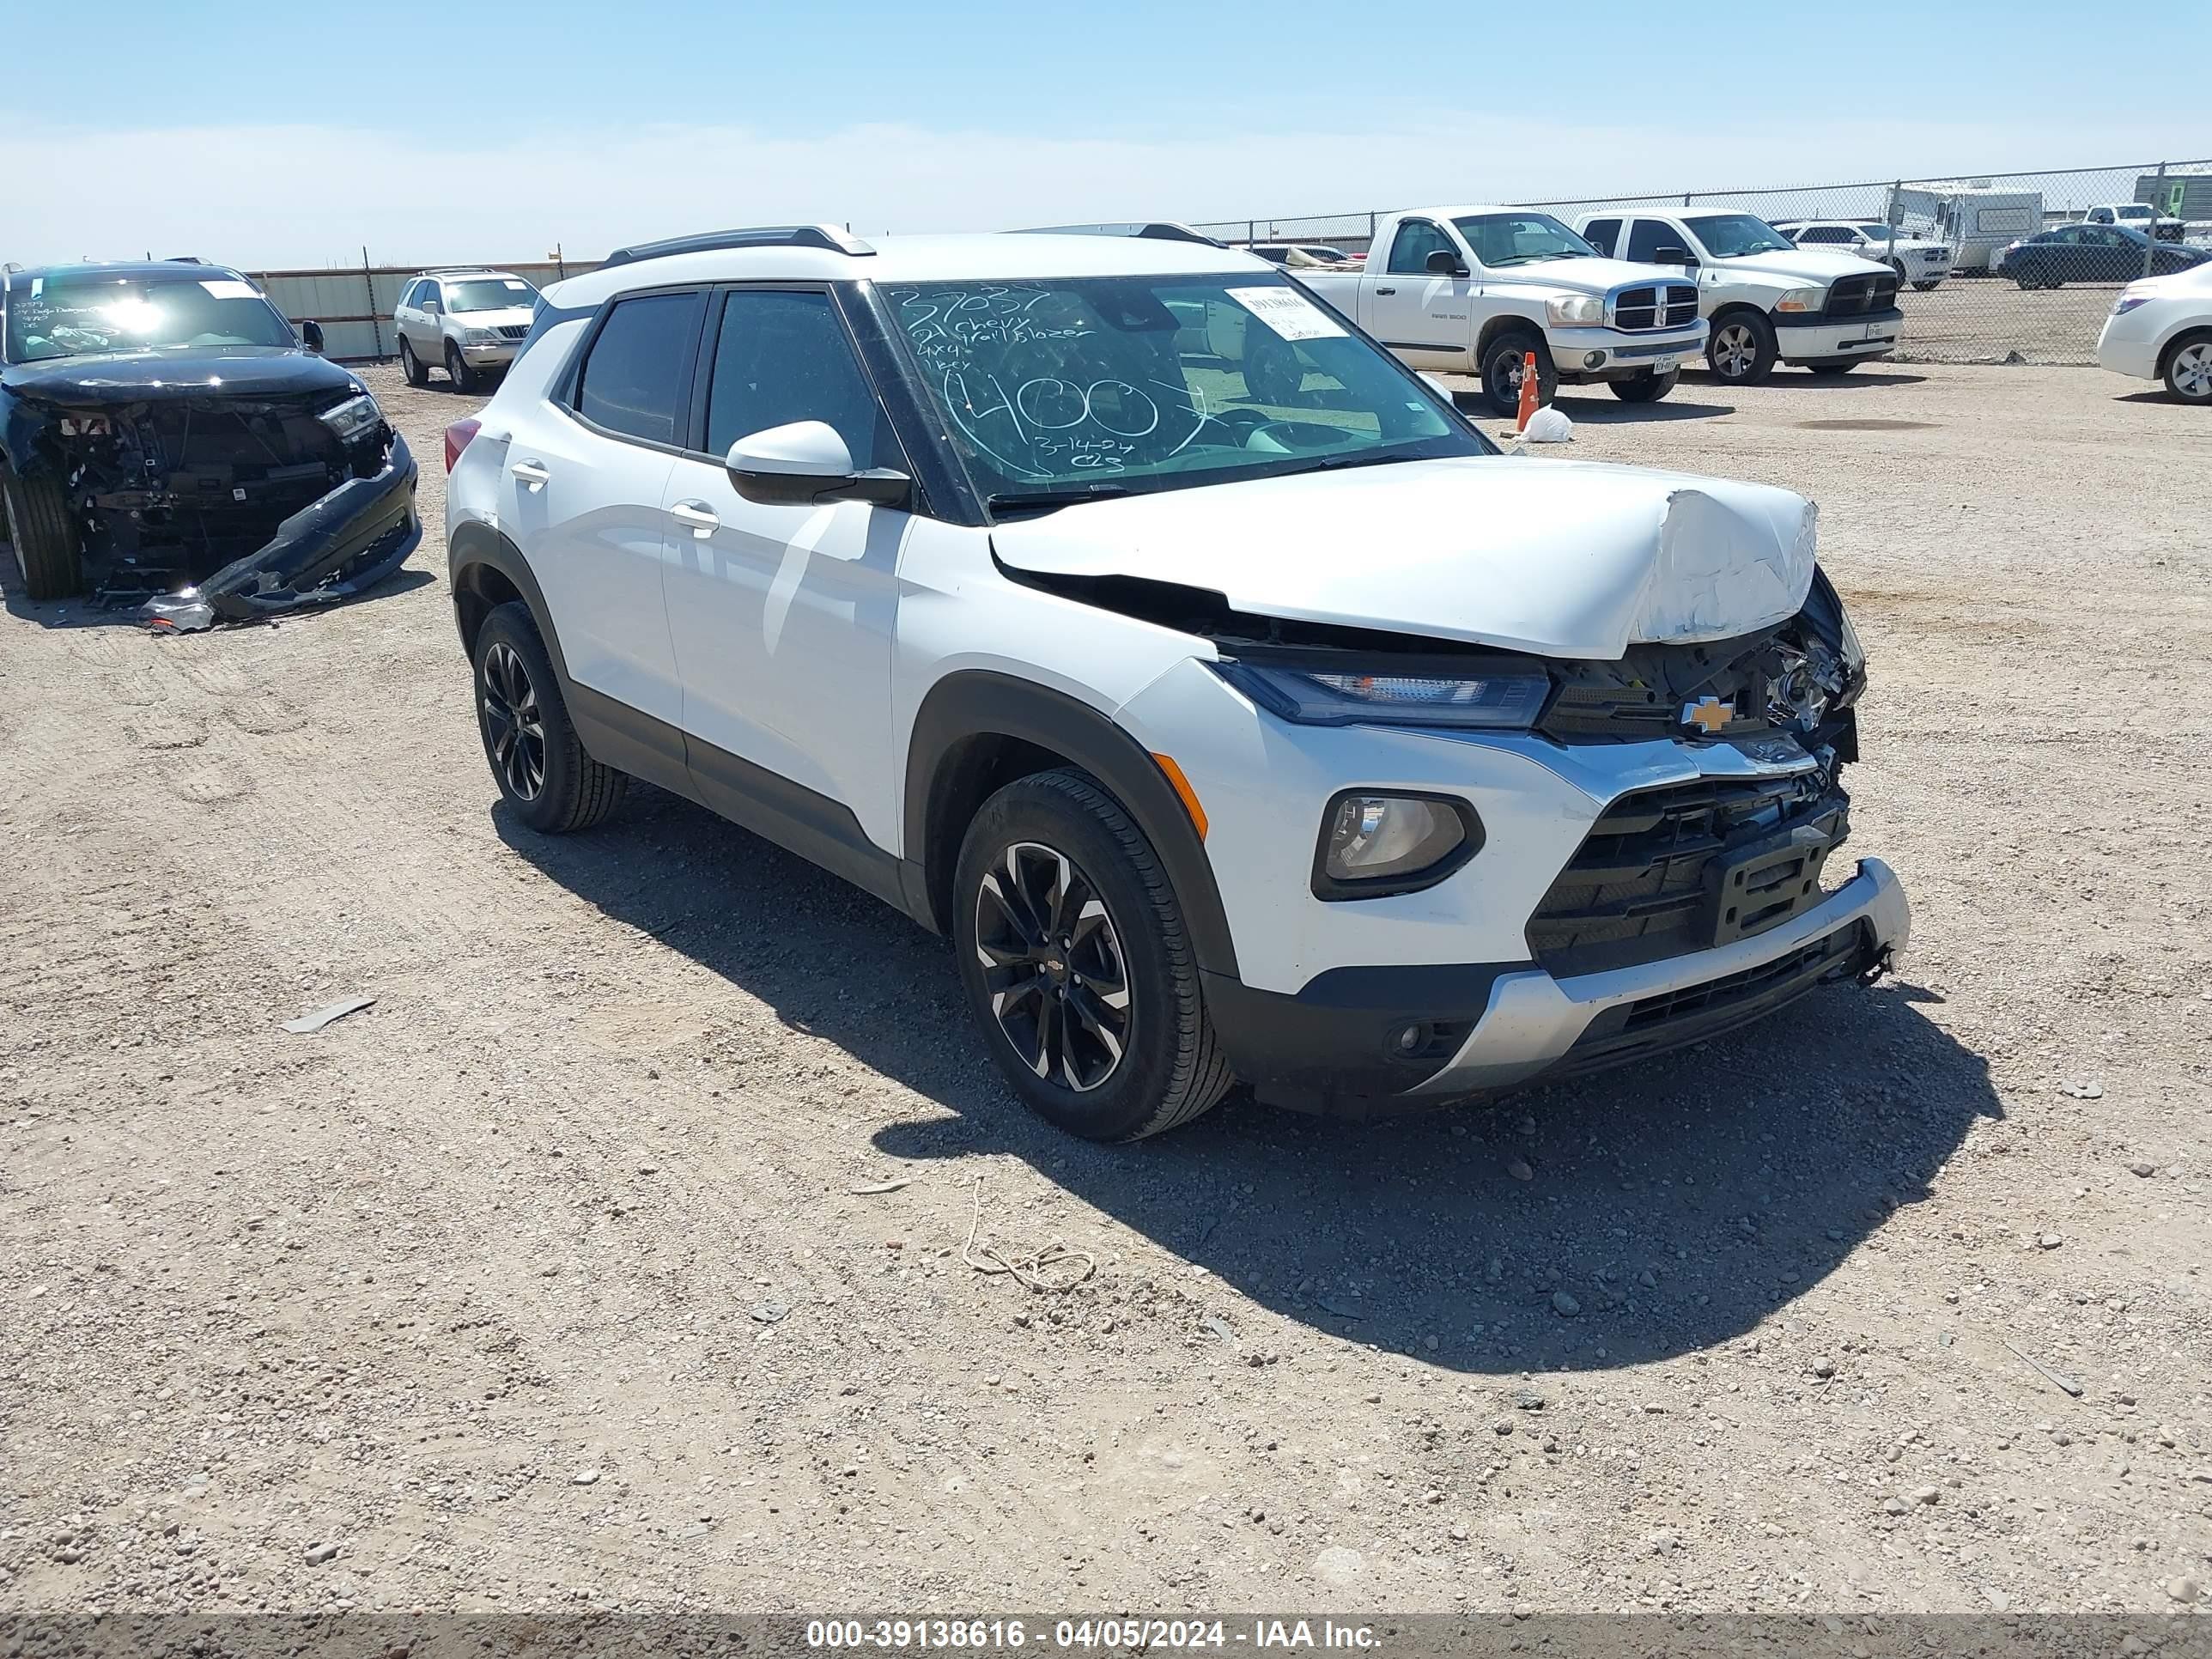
pixel 1583 276
pixel 1804 264
pixel 1576 559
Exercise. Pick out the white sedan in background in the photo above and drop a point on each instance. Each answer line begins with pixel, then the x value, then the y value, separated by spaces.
pixel 1915 259
pixel 2161 329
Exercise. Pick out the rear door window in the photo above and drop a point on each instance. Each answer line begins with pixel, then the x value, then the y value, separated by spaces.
pixel 635 378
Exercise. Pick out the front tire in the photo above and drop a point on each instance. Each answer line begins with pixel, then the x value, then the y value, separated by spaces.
pixel 1925 288
pixel 548 778
pixel 1741 348
pixel 2188 374
pixel 37 520
pixel 1077 962
pixel 458 370
pixel 1645 388
pixel 1828 367
pixel 1504 364
pixel 412 367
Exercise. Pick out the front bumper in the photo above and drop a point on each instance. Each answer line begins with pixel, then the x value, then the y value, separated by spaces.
pixel 1620 352
pixel 1856 336
pixel 492 354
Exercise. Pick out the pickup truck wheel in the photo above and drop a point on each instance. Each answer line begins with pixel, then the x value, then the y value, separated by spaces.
pixel 1898 265
pixel 1645 388
pixel 2189 370
pixel 1923 288
pixel 411 366
pixel 458 370
pixel 549 781
pixel 1272 373
pixel 1501 367
pixel 37 520
pixel 1741 348
pixel 1075 958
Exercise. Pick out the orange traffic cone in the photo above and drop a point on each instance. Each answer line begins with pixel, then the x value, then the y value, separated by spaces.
pixel 1527 391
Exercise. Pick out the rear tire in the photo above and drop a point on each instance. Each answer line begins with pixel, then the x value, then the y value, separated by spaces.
pixel 1061 906
pixel 458 370
pixel 411 366
pixel 1645 388
pixel 2188 374
pixel 548 778
pixel 1503 363
pixel 37 519
pixel 1741 348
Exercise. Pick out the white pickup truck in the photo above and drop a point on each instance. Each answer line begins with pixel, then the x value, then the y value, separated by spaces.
pixel 1768 300
pixel 1473 289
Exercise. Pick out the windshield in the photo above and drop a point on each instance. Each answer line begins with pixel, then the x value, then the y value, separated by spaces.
pixel 1517 238
pixel 1064 387
pixel 1731 235
pixel 80 314
pixel 2132 210
pixel 489 293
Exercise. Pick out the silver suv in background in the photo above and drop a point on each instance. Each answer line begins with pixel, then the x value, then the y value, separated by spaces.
pixel 467 320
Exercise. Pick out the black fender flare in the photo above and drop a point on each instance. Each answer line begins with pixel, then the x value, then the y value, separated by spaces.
pixel 973 703
pixel 474 542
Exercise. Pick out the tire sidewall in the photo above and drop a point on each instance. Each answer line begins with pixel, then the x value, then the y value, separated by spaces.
pixel 1508 352
pixel 1128 1101
pixel 2173 357
pixel 1762 334
pixel 552 807
pixel 458 371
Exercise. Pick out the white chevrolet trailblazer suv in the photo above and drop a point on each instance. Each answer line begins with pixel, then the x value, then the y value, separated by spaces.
pixel 1295 736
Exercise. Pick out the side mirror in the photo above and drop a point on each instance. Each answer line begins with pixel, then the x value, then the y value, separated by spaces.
pixel 806 462
pixel 1442 262
pixel 311 335
pixel 432 304
pixel 1674 256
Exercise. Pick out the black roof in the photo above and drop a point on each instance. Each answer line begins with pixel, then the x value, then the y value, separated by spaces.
pixel 182 271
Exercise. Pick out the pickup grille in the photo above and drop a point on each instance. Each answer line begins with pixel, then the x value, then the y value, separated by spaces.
pixel 1666 305
pixel 1855 296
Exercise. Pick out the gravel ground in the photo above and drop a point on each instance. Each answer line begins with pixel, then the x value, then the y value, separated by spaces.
pixel 546 1281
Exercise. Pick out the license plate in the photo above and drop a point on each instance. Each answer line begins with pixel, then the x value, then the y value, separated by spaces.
pixel 1665 365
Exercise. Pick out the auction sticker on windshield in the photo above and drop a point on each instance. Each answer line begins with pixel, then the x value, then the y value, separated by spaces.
pixel 230 288
pixel 1287 312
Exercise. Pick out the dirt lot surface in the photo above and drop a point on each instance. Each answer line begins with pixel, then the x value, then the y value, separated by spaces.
pixel 546 1281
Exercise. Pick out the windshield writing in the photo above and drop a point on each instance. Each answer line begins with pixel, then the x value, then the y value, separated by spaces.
pixel 1731 235
pixel 1148 383
pixel 69 318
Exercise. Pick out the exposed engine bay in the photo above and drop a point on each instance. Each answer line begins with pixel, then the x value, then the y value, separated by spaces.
pixel 210 507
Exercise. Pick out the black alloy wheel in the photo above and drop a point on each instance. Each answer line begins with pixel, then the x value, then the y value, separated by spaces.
pixel 514 728
pixel 1053 962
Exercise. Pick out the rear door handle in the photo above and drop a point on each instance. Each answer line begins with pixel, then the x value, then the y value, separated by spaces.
pixel 698 516
pixel 1386 291
pixel 533 473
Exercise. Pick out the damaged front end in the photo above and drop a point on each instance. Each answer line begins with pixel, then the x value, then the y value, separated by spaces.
pixel 200 504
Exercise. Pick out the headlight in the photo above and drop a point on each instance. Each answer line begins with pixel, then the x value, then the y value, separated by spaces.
pixel 2128 301
pixel 1574 309
pixel 1330 696
pixel 478 336
pixel 1374 844
pixel 352 417
pixel 1799 299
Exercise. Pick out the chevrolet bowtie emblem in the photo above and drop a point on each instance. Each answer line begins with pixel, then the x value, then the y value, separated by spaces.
pixel 1708 714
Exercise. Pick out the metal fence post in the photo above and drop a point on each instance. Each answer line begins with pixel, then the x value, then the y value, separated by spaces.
pixel 1889 216
pixel 1251 231
pixel 375 325
pixel 2158 199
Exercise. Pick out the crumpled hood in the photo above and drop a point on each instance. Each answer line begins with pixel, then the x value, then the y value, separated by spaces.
pixel 199 372
pixel 1803 265
pixel 1570 559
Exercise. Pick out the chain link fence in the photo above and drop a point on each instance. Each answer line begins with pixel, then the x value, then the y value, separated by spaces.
pixel 1965 298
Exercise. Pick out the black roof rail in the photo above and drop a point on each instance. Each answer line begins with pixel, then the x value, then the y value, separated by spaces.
pixel 184 259
pixel 827 237
pixel 1156 230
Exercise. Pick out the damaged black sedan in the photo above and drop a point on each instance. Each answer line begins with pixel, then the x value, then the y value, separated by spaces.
pixel 166 442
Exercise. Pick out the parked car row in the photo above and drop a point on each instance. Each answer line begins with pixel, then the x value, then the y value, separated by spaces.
pixel 2092 253
pixel 1919 260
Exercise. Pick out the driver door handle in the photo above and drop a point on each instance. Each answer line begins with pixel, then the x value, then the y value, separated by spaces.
pixel 532 473
pixel 1386 291
pixel 698 516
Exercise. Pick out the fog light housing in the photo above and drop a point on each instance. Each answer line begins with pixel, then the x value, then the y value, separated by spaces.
pixel 1593 360
pixel 1374 843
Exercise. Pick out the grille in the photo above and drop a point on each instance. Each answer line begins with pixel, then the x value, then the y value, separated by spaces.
pixel 1855 296
pixel 1666 872
pixel 1666 305
pixel 513 331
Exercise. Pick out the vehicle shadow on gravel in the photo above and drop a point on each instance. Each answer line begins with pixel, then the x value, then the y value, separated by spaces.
pixel 83 611
pixel 1611 1221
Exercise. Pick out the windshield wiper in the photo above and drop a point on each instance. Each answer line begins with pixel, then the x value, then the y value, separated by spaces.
pixel 1044 500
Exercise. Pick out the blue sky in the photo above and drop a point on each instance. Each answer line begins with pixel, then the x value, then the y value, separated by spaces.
pixel 266 134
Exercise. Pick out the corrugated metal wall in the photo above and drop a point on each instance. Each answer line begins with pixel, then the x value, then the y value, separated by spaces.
pixel 354 307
